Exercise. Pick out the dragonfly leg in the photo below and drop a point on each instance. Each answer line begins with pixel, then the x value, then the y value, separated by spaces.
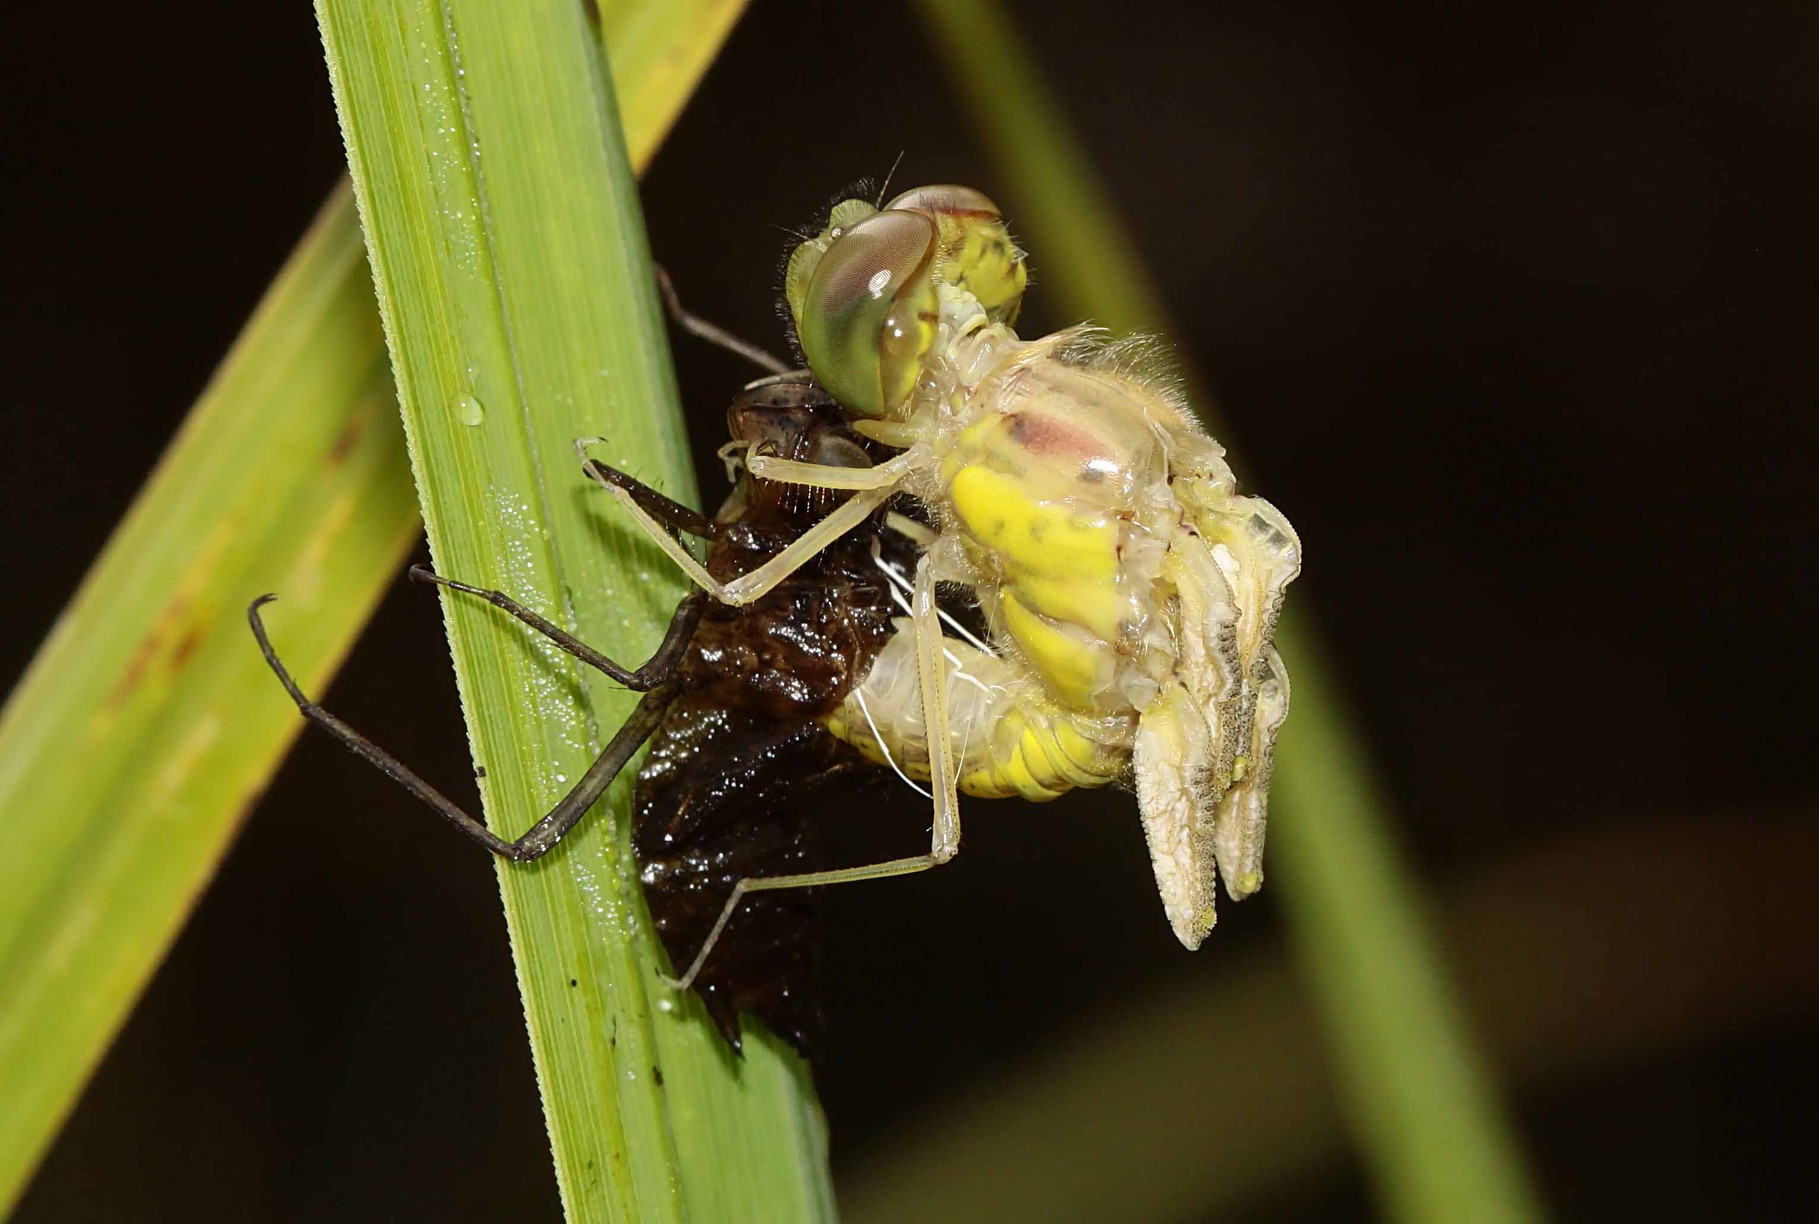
pixel 654 677
pixel 756 583
pixel 657 669
pixel 811 879
pixel 713 333
pixel 931 683
pixel 674 516
pixel 916 533
pixel 888 474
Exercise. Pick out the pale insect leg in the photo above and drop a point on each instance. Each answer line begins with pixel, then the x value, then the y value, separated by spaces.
pixel 828 476
pixel 749 586
pixel 943 769
pixel 812 879
pixel 901 599
pixel 945 839
pixel 910 529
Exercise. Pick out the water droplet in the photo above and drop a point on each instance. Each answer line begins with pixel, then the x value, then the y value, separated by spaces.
pixel 469 411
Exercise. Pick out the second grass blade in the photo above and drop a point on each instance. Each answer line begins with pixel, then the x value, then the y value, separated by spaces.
pixel 1423 1104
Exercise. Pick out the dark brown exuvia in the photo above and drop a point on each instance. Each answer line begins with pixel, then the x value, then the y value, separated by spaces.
pixel 732 699
pixel 742 743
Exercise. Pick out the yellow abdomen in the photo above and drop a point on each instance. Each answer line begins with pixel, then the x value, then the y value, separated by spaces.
pixel 1059 508
pixel 1007 735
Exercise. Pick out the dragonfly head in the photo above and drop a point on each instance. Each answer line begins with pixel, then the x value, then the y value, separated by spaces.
pixel 863 292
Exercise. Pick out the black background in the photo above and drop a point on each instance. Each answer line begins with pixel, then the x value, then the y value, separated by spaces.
pixel 1511 308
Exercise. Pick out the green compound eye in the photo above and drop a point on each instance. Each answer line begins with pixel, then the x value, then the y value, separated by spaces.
pixel 806 258
pixel 865 307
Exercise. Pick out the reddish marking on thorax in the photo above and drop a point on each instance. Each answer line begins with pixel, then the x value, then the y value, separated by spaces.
pixel 1049 437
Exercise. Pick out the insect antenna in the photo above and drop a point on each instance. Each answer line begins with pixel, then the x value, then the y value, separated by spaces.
pixel 889 175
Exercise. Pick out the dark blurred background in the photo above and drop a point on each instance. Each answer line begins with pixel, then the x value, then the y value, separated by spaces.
pixel 1511 308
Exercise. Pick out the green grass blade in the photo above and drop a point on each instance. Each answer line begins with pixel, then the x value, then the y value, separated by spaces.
pixel 659 51
pixel 1421 1101
pixel 144 728
pixel 1159 1088
pixel 511 268
pixel 1419 1097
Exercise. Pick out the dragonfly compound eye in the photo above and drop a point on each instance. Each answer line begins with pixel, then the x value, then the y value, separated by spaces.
pixel 865 307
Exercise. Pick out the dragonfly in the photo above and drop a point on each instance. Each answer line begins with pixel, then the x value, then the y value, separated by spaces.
pixel 734 706
pixel 1130 591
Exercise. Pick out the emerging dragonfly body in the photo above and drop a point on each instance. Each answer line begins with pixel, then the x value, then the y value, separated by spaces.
pixel 1130 596
pixel 1131 591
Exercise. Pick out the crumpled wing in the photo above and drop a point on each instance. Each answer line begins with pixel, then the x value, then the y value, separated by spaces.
pixel 1169 761
pixel 1204 749
pixel 1255 554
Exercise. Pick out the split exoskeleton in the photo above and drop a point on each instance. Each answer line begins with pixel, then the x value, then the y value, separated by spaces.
pixel 733 707
pixel 1130 591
